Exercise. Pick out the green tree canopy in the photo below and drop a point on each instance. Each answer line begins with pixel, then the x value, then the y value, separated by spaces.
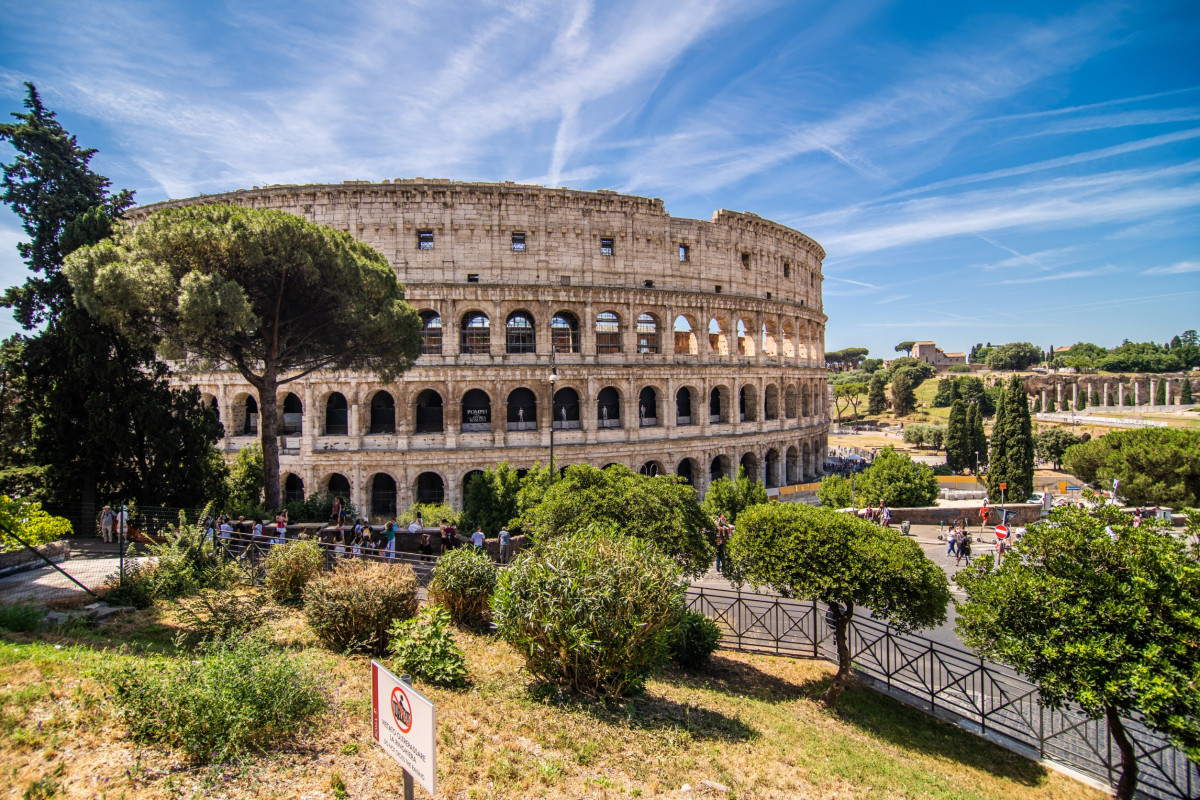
pixel 492 499
pixel 1050 444
pixel 266 293
pixel 905 347
pixel 732 497
pixel 904 401
pixel 896 480
pixel 1011 458
pixel 915 369
pixel 1109 622
pixel 876 394
pixel 1014 356
pixel 1156 466
pixel 958 438
pixel 660 509
pixel 842 561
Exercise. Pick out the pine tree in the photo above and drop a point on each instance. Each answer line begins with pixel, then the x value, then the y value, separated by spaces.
pixel 958 437
pixel 903 398
pixel 876 396
pixel 1185 392
pixel 1011 458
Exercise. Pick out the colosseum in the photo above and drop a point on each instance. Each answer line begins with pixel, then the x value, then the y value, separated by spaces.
pixel 592 323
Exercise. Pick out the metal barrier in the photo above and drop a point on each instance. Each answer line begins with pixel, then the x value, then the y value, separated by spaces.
pixel 250 552
pixel 948 681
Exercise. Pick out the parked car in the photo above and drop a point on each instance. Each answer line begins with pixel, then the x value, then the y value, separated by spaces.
pixel 1037 499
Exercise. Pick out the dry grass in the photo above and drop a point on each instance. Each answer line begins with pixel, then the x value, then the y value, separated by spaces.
pixel 748 722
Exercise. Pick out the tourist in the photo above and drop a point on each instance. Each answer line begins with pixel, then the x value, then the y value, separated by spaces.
pixel 477 537
pixel 505 542
pixel 389 531
pixel 339 543
pixel 281 523
pixel 952 540
pixel 106 523
pixel 338 511
pixel 356 544
pixel 964 548
pixel 885 515
pixel 416 525
pixel 452 534
pixel 425 546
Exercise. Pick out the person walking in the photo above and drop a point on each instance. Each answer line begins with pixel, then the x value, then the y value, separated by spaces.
pixel 477 538
pixel 952 539
pixel 390 531
pixel 106 523
pixel 964 548
pixel 505 542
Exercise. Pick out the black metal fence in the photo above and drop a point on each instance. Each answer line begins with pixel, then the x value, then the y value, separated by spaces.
pixel 249 553
pixel 950 682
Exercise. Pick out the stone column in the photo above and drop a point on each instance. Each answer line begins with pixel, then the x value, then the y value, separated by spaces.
pixel 1153 392
pixel 1170 400
pixel 1058 394
pixel 1106 393
pixel 1043 398
pixel 1120 394
pixel 1137 392
pixel 1074 396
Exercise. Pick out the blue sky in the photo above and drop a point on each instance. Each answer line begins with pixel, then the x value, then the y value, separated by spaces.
pixel 976 171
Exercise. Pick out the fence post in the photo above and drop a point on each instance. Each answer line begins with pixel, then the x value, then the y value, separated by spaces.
pixel 121 557
pixel 816 630
pixel 982 697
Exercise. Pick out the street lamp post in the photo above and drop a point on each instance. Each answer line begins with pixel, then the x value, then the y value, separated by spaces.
pixel 553 380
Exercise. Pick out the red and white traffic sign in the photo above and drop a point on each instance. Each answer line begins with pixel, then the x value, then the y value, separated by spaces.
pixel 403 723
pixel 1001 531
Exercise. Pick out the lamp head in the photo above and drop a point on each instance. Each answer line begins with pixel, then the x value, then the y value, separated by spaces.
pixel 553 374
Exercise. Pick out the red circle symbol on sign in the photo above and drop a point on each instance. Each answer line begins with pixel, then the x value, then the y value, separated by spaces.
pixel 402 710
pixel 1001 532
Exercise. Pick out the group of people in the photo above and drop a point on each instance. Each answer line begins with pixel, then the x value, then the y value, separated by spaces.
pixel 723 530
pixel 114 525
pixel 959 542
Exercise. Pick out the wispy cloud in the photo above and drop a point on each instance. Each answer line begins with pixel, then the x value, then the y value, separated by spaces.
pixel 1178 268
pixel 1058 276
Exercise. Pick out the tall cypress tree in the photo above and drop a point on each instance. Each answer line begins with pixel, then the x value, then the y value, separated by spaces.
pixel 958 437
pixel 876 397
pixel 104 421
pixel 1011 459
pixel 1185 391
pixel 1160 393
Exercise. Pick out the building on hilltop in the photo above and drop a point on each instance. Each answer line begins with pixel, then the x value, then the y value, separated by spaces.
pixel 680 346
pixel 934 356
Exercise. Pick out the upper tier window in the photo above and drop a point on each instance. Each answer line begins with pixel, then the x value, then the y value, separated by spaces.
pixel 518 243
pixel 424 240
pixel 606 247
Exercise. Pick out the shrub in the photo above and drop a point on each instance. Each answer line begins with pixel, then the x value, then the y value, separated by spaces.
pixel 463 583
pixel 317 507
pixel 290 567
pixel 425 648
pixel 213 614
pixel 958 368
pixel 31 524
pixel 188 562
pixel 21 618
pixel 432 514
pixel 352 607
pixel 693 640
pixel 731 497
pixel 236 696
pixel 590 610
pixel 136 590
pixel 834 492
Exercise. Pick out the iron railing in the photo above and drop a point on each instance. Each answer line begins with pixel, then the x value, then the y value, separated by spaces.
pixel 249 554
pixel 950 682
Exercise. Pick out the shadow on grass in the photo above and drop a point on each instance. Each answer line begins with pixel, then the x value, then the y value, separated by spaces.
pixel 648 713
pixel 734 677
pixel 911 729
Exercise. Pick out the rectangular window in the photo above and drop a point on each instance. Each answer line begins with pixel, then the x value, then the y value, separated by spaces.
pixel 424 240
pixel 518 243
pixel 683 252
pixel 472 277
pixel 606 247
pixel 745 261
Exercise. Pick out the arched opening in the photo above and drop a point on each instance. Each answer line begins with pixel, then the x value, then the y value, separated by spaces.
pixel 772 468
pixel 473 475
pixel 805 461
pixel 747 403
pixel 383 413
pixel 687 471
pixel 792 465
pixel 250 417
pixel 790 403
pixel 608 408
pixel 608 333
pixel 683 406
pixel 719 468
pixel 293 416
pixel 293 489
pixel 210 401
pixel 718 405
pixel 651 468
pixel 771 402
pixel 749 463
pixel 522 410
pixel 336 415
pixel 476 411
pixel 338 486
pixel 648 339
pixel 685 337
pixel 431 489
pixel 789 340
pixel 806 399
pixel 718 340
pixel 476 336
pixel 566 409
pixel 647 407
pixel 745 344
pixel 429 412
pixel 431 333
pixel 519 333
pixel 770 344
pixel 383 496
pixel 564 332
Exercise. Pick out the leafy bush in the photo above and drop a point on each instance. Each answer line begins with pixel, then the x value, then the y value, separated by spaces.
pixel 834 492
pixel 731 497
pixel 237 696
pixel 246 477
pixel 590 610
pixel 352 607
pixel 213 614
pixel 463 582
pixel 188 562
pixel 958 368
pixel 136 590
pixel 290 567
pixel 316 507
pixel 432 514
pixel 32 524
pixel 21 618
pixel 490 500
pixel 898 481
pixel 424 647
pixel 693 640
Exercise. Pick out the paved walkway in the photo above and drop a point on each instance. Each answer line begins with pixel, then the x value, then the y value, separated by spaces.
pixel 91 562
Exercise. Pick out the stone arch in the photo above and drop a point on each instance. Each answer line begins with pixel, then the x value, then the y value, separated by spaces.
pixel 649 338
pixel 792 465
pixel 476 411
pixel 383 413
pixel 749 462
pixel 608 408
pixel 521 410
pixel 745 339
pixel 719 468
pixel 293 488
pixel 748 403
pixel 685 399
pixel 475 336
pixel 430 488
pixel 770 338
pixel 428 412
pixel 383 495
pixel 431 333
pixel 209 400
pixel 467 478
pixel 805 461
pixel 718 337
pixel 520 333
pixel 245 414
pixel 565 410
pixel 806 397
pixel 608 332
pixel 337 485
pixel 771 468
pixel 293 415
pixel 648 407
pixel 788 340
pixel 791 403
pixel 688 470
pixel 719 405
pixel 337 415
pixel 771 402
pixel 652 469
pixel 564 332
pixel 685 336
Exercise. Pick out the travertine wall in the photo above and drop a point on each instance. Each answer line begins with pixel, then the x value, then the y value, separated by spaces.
pixel 748 290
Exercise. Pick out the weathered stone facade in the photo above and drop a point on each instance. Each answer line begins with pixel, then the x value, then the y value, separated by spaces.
pixel 679 345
